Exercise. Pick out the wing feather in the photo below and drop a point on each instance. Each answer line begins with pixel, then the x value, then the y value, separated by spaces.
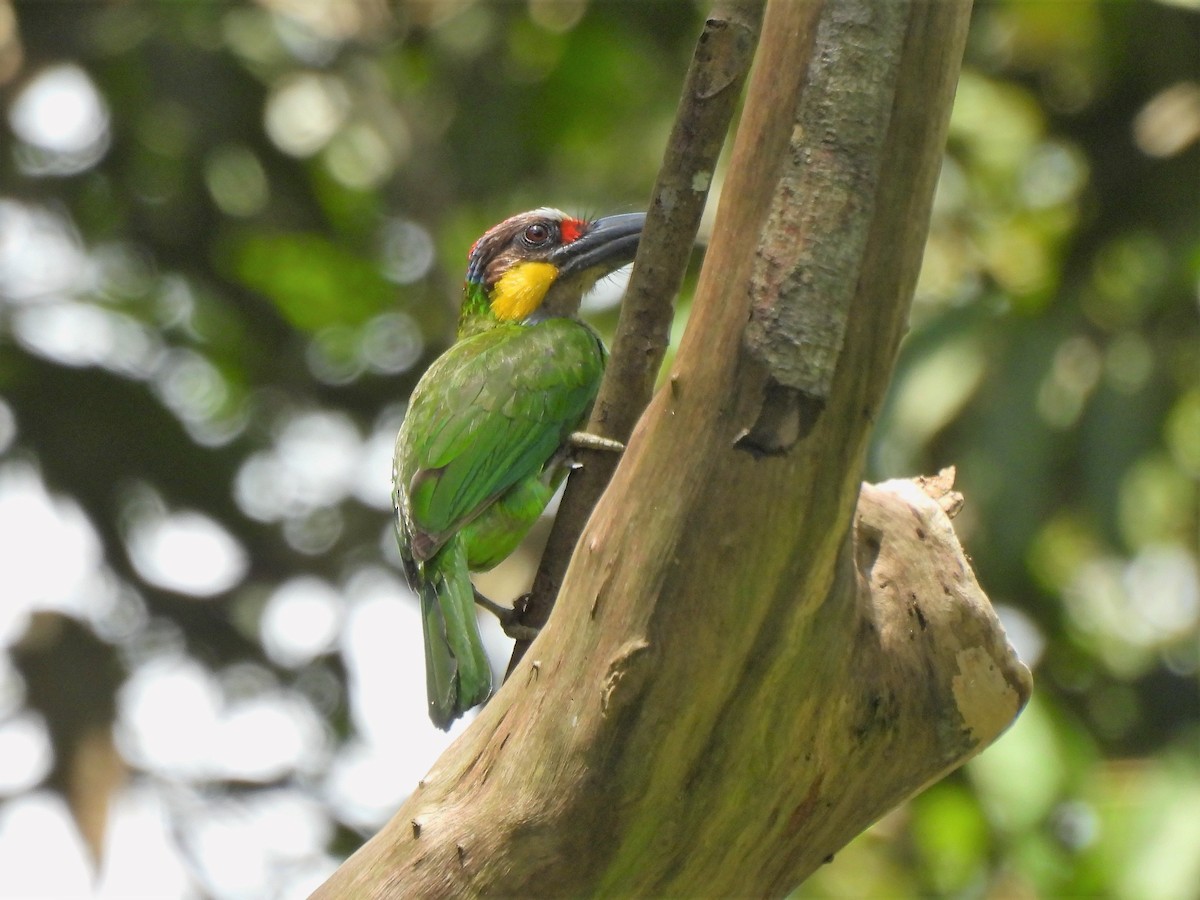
pixel 488 413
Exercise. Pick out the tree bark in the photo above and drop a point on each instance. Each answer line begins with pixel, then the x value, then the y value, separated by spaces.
pixel 710 95
pixel 751 659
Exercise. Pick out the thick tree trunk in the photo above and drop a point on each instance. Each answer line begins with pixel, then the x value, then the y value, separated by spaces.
pixel 744 671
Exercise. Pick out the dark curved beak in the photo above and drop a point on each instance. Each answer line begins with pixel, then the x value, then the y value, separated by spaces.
pixel 608 244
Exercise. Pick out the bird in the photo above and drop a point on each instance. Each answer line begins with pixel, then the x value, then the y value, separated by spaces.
pixel 487 435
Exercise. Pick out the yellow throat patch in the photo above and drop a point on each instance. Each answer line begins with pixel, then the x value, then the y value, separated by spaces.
pixel 521 290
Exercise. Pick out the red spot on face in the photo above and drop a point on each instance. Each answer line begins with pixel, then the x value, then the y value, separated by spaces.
pixel 572 229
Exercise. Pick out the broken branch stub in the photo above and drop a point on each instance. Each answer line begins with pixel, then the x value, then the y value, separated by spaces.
pixel 933 618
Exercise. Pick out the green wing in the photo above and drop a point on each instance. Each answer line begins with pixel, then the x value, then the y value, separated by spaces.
pixel 488 413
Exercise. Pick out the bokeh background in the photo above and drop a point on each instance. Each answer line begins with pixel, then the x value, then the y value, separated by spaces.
pixel 233 234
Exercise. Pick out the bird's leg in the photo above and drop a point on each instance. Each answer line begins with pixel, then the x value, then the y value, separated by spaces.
pixel 509 616
pixel 564 458
pixel 585 440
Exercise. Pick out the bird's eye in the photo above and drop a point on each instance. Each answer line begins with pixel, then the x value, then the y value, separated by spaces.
pixel 537 234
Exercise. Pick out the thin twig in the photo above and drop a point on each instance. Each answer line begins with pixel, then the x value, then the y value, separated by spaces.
pixel 714 82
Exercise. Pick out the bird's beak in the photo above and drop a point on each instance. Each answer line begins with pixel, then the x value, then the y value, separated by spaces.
pixel 608 244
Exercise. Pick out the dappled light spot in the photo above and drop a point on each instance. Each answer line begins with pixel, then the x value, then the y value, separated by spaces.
pixel 1156 502
pixel 1054 174
pixel 62 121
pixel 361 158
pixel 1164 590
pixel 1132 609
pixel 41 256
pixel 238 845
pixel 1129 363
pixel 40 846
pixel 406 251
pixel 301 621
pixel 260 488
pixel 1169 123
pixel 81 334
pixel 1072 377
pixel 8 426
pixel 177 719
pixel 315 531
pixel 387 344
pixel 185 551
pixel 1023 633
pixel 236 180
pixel 268 737
pixel 333 355
pixel 194 389
pixel 122 271
pixel 304 111
pixel 363 786
pixel 392 343
pixel 373 482
pixel 1182 432
pixel 26 751
pixel 167 711
pixel 1127 275
pixel 381 646
pixel 50 554
pixel 926 396
pixel 313 464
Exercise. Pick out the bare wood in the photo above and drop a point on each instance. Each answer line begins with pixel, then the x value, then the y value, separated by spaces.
pixel 710 95
pixel 750 661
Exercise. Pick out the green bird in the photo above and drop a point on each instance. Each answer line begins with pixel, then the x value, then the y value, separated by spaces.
pixel 486 439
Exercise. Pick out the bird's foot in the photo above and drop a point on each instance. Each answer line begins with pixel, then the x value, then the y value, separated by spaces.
pixel 585 440
pixel 510 617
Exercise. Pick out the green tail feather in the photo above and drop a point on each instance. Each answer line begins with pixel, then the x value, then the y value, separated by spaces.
pixel 457 672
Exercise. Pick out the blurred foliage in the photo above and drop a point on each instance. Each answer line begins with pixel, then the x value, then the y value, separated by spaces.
pixel 231 235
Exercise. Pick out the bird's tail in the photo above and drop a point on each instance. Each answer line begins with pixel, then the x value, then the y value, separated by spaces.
pixel 457 672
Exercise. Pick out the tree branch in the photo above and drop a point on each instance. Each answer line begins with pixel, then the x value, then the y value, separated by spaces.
pixel 750 661
pixel 711 90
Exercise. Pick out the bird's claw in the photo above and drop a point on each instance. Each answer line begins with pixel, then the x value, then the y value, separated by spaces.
pixel 585 440
pixel 510 617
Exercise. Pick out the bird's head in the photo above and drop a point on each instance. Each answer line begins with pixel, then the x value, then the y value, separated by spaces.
pixel 543 262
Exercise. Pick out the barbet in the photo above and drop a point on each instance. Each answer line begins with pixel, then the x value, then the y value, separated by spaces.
pixel 485 441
